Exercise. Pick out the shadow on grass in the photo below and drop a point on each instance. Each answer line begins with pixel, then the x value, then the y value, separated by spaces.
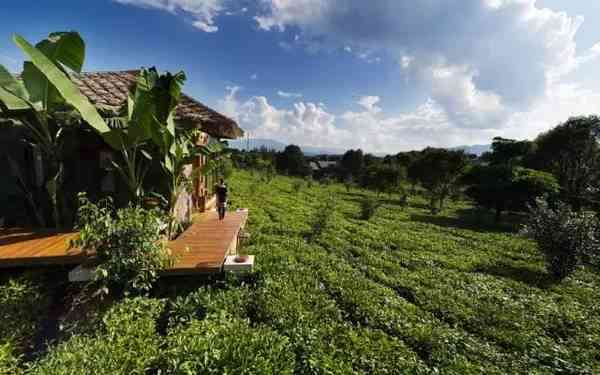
pixel 529 276
pixel 471 219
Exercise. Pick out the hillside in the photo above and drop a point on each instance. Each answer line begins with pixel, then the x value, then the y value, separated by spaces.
pixel 403 292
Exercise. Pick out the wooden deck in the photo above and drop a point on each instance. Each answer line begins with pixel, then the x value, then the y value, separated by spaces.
pixel 22 247
pixel 202 248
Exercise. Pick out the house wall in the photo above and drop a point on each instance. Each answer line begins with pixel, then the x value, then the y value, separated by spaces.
pixel 200 197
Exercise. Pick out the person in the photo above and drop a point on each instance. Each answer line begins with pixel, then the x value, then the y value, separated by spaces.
pixel 221 190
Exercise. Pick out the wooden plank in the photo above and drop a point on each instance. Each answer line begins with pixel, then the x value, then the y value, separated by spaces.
pixel 23 247
pixel 201 248
pixel 204 245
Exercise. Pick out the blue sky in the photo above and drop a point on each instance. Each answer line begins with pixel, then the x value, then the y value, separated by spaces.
pixel 385 75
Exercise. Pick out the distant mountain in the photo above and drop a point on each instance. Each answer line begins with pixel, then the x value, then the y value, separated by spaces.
pixel 257 143
pixel 270 144
pixel 474 149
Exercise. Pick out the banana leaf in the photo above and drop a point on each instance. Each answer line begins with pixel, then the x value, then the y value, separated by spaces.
pixel 12 92
pixel 68 90
pixel 65 49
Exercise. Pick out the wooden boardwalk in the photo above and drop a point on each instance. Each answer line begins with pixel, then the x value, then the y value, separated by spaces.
pixel 22 247
pixel 201 248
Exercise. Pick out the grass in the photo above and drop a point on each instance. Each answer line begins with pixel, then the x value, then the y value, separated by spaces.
pixel 404 292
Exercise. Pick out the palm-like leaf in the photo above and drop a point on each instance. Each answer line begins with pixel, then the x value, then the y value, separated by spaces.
pixel 66 50
pixel 67 89
pixel 12 93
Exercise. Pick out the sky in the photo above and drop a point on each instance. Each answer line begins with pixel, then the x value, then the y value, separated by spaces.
pixel 383 75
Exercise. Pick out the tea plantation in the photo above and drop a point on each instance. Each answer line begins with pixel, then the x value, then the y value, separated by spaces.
pixel 402 292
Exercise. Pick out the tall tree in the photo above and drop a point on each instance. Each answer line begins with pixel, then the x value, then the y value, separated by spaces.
pixel 439 172
pixel 508 152
pixel 292 161
pixel 502 188
pixel 571 152
pixel 352 164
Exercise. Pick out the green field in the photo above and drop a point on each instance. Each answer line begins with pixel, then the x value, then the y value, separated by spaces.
pixel 404 292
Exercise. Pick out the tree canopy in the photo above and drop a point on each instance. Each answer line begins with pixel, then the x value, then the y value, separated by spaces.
pixel 571 152
pixel 291 161
pixel 438 171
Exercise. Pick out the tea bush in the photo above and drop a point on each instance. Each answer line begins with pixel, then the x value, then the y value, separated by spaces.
pixel 23 303
pixel 128 244
pixel 220 344
pixel 566 238
pixel 127 343
pixel 322 217
pixel 9 361
pixel 404 292
pixel 297 186
pixel 368 207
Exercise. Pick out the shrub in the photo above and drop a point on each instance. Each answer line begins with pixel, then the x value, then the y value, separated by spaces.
pixel 368 207
pixel 127 344
pixel 128 244
pixel 566 238
pixel 297 186
pixel 323 216
pixel 23 303
pixel 222 345
pixel 9 361
pixel 310 182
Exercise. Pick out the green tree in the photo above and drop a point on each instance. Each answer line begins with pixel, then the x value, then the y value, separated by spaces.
pixel 507 151
pixel 439 172
pixel 352 164
pixel 292 162
pixel 383 178
pixel 571 152
pixel 501 188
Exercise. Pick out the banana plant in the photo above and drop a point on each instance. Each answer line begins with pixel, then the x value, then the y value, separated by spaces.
pixel 38 101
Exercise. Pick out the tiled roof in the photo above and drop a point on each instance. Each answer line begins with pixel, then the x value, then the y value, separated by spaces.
pixel 108 91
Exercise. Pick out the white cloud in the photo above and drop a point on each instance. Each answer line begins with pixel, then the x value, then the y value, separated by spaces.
pixel 505 59
pixel 285 94
pixel 370 103
pixel 371 129
pixel 229 104
pixel 203 12
pixel 254 77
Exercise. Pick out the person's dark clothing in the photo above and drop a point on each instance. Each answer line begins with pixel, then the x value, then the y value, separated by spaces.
pixel 221 191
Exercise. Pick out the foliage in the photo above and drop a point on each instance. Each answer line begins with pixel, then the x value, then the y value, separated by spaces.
pixel 24 302
pixel 383 178
pixel 127 343
pixel 291 161
pixel 566 238
pixel 44 103
pixel 127 243
pixel 439 172
pixel 405 292
pixel 571 152
pixel 501 188
pixel 352 164
pixel 368 207
pixel 508 152
pixel 9 361
pixel 222 345
pixel 297 185
pixel 322 216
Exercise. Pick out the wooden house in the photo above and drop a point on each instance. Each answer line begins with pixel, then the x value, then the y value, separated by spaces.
pixel 89 167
